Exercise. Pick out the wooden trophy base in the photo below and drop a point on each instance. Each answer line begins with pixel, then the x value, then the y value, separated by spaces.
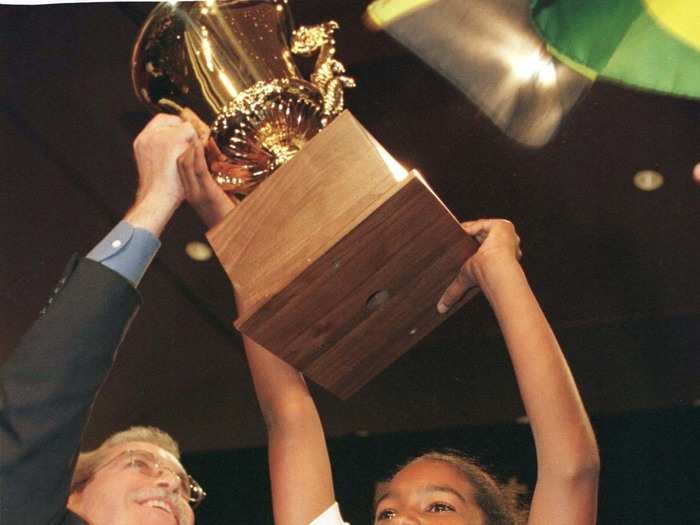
pixel 339 258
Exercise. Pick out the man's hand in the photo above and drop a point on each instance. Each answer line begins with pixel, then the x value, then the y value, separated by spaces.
pixel 160 191
pixel 499 248
pixel 201 191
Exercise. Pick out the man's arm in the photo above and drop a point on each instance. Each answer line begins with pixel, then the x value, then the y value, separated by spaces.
pixel 49 384
pixel 132 244
pixel 567 454
pixel 50 381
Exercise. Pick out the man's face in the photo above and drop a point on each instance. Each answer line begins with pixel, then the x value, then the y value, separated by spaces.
pixel 120 493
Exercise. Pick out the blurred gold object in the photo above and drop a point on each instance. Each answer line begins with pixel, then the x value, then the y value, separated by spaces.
pixel 231 64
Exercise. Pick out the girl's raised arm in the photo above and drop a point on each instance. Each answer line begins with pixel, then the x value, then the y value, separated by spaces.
pixel 300 469
pixel 567 455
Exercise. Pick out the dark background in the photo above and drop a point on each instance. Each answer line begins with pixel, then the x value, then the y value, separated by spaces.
pixel 614 268
pixel 649 476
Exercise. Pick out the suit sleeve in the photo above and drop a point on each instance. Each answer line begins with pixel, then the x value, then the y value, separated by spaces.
pixel 49 384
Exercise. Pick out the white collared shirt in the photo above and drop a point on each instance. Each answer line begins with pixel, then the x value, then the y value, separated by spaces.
pixel 330 516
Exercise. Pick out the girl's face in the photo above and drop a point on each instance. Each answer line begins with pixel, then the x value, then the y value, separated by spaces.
pixel 428 492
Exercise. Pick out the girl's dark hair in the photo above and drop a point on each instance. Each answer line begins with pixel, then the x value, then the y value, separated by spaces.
pixel 500 503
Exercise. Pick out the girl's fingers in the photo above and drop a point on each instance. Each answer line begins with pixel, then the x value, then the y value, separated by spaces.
pixel 457 288
pixel 200 161
pixel 481 226
pixel 185 167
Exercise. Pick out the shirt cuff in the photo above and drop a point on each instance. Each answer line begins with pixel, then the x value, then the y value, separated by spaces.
pixel 126 250
pixel 331 516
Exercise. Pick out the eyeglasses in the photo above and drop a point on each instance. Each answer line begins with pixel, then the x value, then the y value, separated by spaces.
pixel 147 463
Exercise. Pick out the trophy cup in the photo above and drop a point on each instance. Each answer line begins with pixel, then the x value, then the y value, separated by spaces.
pixel 339 255
pixel 230 64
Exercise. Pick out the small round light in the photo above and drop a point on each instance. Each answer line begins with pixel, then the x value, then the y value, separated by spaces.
pixel 648 180
pixel 198 251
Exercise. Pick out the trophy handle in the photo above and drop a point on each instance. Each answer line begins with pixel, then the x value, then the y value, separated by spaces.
pixel 229 65
pixel 328 74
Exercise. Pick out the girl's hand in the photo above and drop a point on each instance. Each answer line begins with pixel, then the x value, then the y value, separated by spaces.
pixel 207 198
pixel 499 246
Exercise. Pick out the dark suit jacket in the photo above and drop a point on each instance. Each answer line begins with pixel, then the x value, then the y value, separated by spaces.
pixel 48 386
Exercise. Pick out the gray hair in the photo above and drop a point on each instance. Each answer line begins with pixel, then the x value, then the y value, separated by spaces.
pixel 89 461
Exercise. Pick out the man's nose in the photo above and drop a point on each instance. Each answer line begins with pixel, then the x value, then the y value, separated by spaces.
pixel 168 480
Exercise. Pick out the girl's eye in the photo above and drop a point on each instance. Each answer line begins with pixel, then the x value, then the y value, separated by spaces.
pixel 440 507
pixel 386 514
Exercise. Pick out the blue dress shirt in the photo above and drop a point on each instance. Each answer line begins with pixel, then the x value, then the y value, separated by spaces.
pixel 127 250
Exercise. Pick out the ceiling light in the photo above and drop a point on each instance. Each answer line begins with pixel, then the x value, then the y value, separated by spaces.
pixel 198 251
pixel 696 174
pixel 648 180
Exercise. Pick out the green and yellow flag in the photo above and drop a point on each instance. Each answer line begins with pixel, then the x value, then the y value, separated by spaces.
pixel 652 44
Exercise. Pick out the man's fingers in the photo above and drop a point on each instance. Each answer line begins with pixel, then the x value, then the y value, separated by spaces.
pixel 172 124
pixel 197 123
pixel 188 131
pixel 163 119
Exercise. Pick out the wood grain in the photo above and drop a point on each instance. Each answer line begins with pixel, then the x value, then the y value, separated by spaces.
pixel 327 232
pixel 321 322
pixel 300 211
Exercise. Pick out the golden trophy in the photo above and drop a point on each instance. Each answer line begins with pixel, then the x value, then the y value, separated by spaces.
pixel 339 256
pixel 232 63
